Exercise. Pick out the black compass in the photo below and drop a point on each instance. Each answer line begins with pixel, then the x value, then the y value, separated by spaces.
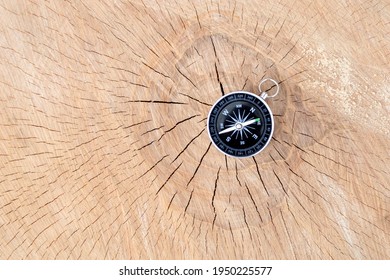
pixel 240 124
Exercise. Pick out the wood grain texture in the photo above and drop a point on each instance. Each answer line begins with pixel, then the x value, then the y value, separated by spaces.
pixel 104 152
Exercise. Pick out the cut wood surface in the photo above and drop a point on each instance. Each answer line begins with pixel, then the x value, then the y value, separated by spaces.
pixel 104 152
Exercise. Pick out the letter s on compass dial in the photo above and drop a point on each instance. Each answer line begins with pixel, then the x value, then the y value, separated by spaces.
pixel 240 124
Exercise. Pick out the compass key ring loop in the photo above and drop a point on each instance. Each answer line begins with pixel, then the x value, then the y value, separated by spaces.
pixel 264 94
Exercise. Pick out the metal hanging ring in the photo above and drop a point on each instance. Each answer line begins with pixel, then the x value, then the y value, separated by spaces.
pixel 263 93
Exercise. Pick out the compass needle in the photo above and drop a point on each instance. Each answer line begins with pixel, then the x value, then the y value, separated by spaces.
pixel 227 130
pixel 250 122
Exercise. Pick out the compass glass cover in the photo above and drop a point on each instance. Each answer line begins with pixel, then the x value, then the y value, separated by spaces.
pixel 240 124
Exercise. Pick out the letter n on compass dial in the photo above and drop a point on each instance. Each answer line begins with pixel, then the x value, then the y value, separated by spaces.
pixel 240 124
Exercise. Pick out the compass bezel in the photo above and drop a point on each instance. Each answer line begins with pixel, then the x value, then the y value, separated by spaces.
pixel 244 151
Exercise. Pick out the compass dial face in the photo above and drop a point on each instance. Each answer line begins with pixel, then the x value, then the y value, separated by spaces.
pixel 240 124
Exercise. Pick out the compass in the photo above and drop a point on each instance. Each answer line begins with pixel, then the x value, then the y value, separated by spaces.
pixel 240 124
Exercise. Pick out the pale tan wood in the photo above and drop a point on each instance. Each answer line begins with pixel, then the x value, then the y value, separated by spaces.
pixel 103 147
